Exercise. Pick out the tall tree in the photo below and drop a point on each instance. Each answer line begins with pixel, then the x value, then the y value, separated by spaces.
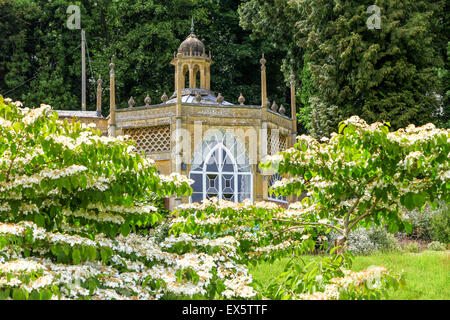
pixel 387 74
pixel 40 57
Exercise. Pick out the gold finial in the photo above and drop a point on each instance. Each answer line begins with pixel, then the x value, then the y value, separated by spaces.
pixel 241 99
pixel 147 100
pixel 263 61
pixel 292 79
pixel 274 106
pixel 219 98
pixel 164 98
pixel 131 102
pixel 198 97
pixel 111 65
pixel 192 25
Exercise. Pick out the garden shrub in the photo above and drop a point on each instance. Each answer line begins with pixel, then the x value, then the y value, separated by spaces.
pixel 440 225
pixel 382 239
pixel 412 247
pixel 421 223
pixel 360 243
pixel 437 246
pixel 365 242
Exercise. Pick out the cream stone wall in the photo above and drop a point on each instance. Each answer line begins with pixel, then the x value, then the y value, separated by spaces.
pixel 243 121
pixel 247 120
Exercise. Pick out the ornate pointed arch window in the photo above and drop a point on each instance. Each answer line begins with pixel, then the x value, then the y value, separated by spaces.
pixel 221 169
pixel 271 196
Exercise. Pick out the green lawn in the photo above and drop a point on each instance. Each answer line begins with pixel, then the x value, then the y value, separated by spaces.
pixel 427 272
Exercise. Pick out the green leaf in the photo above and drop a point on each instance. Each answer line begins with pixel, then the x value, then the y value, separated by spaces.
pixel 4 293
pixel 104 254
pixel 408 227
pixel 19 294
pixel 125 229
pixel 409 201
pixel 46 294
pixel 39 220
pixel 76 256
pixel 420 199
pixel 35 295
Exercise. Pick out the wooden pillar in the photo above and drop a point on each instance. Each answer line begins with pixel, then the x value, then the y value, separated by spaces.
pixel 192 82
pixel 176 79
pixel 263 83
pixel 202 77
pixel 181 77
pixel 99 96
pixel 83 70
pixel 112 100
pixel 178 124
pixel 293 110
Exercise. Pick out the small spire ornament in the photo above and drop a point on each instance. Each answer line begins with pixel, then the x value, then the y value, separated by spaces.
pixel 198 97
pixel 282 110
pixel 241 99
pixel 131 102
pixel 274 106
pixel 112 65
pixel 164 98
pixel 268 104
pixel 147 100
pixel 263 60
pixel 219 98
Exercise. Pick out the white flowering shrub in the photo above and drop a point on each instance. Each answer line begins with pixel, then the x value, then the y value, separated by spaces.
pixel 437 246
pixel 362 241
pixel 362 176
pixel 70 203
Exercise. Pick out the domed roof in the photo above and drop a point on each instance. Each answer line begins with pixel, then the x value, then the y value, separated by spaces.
pixel 192 43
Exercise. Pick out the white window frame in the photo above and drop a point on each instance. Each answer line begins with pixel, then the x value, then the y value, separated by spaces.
pixel 235 173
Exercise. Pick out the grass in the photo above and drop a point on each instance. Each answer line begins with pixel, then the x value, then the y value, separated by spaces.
pixel 427 272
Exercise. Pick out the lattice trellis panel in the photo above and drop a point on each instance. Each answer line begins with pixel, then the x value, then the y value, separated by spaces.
pixel 151 139
pixel 276 142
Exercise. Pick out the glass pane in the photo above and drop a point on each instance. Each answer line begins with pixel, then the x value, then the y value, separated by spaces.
pixel 227 162
pixel 228 183
pixel 244 187
pixel 212 162
pixel 212 183
pixel 197 186
pixel 197 197
pixel 228 197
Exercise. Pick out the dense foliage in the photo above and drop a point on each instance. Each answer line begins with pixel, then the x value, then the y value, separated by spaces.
pixel 36 45
pixel 397 73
